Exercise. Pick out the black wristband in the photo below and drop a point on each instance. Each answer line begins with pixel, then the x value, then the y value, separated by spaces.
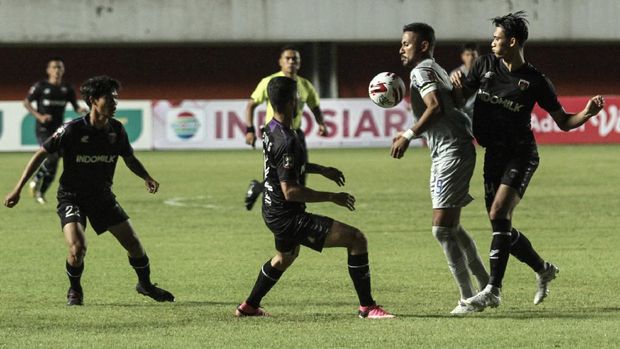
pixel 250 129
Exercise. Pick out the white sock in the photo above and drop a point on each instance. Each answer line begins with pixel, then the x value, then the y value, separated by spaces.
pixel 474 262
pixel 457 262
pixel 494 290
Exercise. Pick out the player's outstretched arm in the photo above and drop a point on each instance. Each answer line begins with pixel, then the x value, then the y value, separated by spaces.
pixel 298 193
pixel 328 172
pixel 138 169
pixel 567 121
pixel 12 198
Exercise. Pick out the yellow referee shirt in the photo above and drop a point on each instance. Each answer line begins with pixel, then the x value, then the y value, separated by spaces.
pixel 306 93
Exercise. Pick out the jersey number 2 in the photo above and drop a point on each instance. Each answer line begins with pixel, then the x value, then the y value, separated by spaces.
pixel 70 210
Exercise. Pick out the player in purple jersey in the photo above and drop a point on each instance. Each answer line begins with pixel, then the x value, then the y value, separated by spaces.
pixel 284 208
pixel 507 88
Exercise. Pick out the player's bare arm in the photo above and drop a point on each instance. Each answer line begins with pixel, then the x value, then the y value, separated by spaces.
pixel 250 135
pixel 328 172
pixel 433 110
pixel 567 121
pixel 12 198
pixel 138 169
pixel 298 193
pixel 318 116
pixel 42 118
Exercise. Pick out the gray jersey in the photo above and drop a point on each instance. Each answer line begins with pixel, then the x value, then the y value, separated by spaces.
pixel 450 135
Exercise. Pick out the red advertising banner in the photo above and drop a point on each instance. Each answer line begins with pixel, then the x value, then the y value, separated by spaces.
pixel 603 128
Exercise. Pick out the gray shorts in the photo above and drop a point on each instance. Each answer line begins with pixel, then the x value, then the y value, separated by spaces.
pixel 449 182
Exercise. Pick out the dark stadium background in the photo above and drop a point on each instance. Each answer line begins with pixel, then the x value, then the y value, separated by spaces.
pixel 232 71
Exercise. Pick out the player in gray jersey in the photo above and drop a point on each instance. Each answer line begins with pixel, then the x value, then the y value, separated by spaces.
pixel 447 131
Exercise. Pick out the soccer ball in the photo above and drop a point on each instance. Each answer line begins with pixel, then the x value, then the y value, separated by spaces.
pixel 386 89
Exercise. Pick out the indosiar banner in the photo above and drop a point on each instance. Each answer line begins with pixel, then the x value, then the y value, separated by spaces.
pixel 17 125
pixel 220 124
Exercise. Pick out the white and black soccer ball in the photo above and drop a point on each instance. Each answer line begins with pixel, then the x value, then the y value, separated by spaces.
pixel 386 89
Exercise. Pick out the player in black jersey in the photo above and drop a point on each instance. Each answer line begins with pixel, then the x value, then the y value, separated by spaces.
pixel 284 209
pixel 51 96
pixel 90 147
pixel 507 88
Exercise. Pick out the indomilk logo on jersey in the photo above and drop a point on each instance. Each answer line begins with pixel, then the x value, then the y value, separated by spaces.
pixel 91 159
pixel 506 103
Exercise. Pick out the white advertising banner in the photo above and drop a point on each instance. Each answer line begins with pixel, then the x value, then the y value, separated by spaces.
pixel 220 124
pixel 17 125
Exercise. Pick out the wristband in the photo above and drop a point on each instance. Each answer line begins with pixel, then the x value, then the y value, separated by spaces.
pixel 249 129
pixel 409 134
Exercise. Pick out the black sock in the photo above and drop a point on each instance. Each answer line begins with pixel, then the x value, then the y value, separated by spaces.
pixel 523 250
pixel 500 250
pixel 267 277
pixel 143 269
pixel 75 275
pixel 360 274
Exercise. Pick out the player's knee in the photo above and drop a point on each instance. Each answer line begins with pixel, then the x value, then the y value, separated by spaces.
pixel 442 233
pixel 77 251
pixel 358 240
pixel 284 260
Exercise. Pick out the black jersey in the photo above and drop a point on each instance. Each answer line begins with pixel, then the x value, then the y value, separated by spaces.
pixel 89 155
pixel 505 99
pixel 284 161
pixel 52 99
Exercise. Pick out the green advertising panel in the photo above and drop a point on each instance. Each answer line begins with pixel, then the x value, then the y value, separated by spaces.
pixel 131 118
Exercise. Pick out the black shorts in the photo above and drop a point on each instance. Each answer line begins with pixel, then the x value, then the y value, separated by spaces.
pixel 102 211
pixel 511 166
pixel 43 133
pixel 303 228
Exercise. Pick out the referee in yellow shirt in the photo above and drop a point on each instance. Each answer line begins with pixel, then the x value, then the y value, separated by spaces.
pixel 290 61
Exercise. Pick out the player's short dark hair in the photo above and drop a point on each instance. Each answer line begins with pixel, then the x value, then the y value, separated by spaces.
pixel 98 86
pixel 288 47
pixel 281 90
pixel 470 46
pixel 424 31
pixel 55 59
pixel 514 25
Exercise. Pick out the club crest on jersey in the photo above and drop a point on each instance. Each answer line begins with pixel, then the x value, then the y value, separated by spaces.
pixel 523 84
pixel 287 161
pixel 488 75
pixel 112 138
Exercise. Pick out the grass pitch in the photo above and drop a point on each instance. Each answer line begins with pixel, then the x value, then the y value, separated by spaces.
pixel 207 249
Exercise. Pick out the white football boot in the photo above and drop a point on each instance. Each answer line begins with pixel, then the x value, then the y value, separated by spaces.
pixel 542 282
pixel 483 299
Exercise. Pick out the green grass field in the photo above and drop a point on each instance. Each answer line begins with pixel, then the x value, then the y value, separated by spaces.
pixel 207 249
